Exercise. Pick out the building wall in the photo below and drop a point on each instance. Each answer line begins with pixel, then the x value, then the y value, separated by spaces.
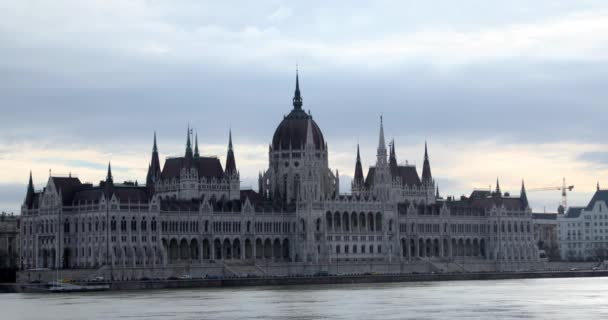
pixel 9 242
pixel 584 236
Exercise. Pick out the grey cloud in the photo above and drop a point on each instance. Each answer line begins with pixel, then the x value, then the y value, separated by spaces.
pixel 11 196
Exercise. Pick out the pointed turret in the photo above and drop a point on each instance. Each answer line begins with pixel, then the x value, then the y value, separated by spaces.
pixel 188 145
pixel 297 97
pixel 358 179
pixel 381 154
pixel 109 183
pixel 497 191
pixel 437 196
pixel 392 162
pixel 196 153
pixel 522 195
pixel 109 175
pixel 230 161
pixel 427 177
pixel 154 167
pixel 29 197
pixel 154 147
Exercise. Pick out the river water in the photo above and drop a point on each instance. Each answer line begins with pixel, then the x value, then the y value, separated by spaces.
pixel 574 298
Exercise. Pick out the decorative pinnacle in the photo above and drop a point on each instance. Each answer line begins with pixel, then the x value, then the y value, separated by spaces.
pixel 154 147
pixel 230 139
pixel 109 176
pixel 297 98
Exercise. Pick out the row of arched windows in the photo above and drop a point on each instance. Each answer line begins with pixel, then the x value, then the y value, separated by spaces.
pixel 354 249
pixel 342 222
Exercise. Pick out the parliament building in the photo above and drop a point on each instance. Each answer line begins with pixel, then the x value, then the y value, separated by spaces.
pixel 192 211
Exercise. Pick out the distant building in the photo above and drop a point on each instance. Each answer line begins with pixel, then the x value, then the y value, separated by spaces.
pixel 9 233
pixel 193 211
pixel 583 231
pixel 545 235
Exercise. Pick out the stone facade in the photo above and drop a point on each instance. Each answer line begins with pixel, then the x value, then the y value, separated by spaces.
pixel 192 211
pixel 583 231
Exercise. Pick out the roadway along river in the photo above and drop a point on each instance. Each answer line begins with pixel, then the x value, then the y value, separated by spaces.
pixel 574 298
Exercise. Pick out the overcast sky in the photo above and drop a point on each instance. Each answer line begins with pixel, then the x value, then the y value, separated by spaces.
pixel 512 89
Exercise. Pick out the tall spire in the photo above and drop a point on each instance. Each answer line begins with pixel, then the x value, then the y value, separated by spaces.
pixel 196 154
pixel 29 197
pixel 598 186
pixel 154 168
pixel 188 145
pixel 358 180
pixel 381 155
pixel 297 98
pixel 392 161
pixel 498 187
pixel 437 196
pixel 109 183
pixel 230 161
pixel 154 147
pixel 522 195
pixel 109 175
pixel 427 177
pixel 230 139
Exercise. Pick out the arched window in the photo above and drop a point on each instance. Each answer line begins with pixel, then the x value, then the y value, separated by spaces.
pixel 153 224
pixel 346 249
pixel 66 226
pixel 285 196
pixel 296 187
pixel 338 249
pixel 379 249
pixel 133 224
pixel 144 224
pixel 112 224
pixel 318 224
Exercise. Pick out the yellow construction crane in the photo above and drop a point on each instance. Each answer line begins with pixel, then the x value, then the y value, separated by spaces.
pixel 563 188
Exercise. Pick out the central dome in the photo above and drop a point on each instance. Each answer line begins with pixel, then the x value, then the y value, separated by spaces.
pixel 292 131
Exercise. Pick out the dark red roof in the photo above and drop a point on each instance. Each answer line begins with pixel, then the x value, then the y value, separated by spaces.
pixel 68 187
pixel 208 167
pixel 408 174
